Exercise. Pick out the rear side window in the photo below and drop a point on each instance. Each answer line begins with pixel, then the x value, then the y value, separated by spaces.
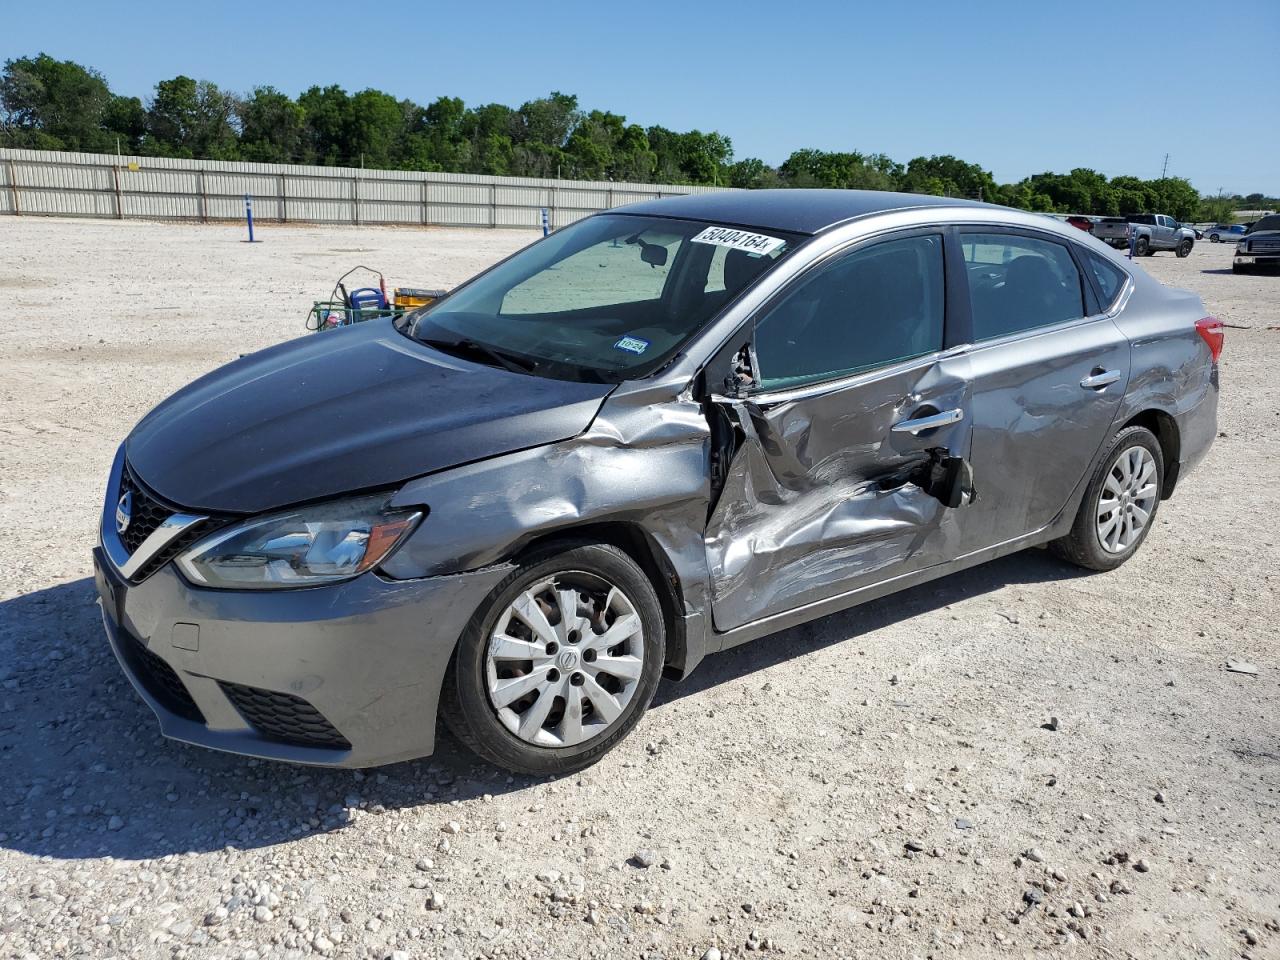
pixel 868 308
pixel 1019 283
pixel 1110 277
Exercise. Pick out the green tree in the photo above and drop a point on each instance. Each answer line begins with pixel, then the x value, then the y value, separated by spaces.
pixel 126 118
pixel 1217 209
pixel 327 113
pixel 1176 197
pixel 848 171
pixel 375 129
pixel 192 118
pixel 271 127
pixel 54 104
pixel 549 120
pixel 947 176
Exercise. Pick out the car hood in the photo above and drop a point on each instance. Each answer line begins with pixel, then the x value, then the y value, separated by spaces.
pixel 340 412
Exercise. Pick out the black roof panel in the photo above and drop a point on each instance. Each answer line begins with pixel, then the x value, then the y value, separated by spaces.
pixel 795 210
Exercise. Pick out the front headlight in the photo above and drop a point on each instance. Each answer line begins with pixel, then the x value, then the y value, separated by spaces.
pixel 323 543
pixel 1242 246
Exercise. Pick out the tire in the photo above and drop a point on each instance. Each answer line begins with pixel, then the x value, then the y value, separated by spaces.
pixel 1083 546
pixel 1214 238
pixel 495 733
pixel 1236 268
pixel 1142 247
pixel 1184 249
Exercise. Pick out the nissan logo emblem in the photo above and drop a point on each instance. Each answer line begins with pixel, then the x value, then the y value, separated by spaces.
pixel 124 512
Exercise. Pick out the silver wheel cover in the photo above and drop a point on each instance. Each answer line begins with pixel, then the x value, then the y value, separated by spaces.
pixel 564 660
pixel 1126 500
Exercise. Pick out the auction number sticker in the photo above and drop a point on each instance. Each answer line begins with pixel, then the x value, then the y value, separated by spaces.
pixel 756 243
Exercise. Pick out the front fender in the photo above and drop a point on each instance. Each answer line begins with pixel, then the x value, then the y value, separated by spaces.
pixel 640 463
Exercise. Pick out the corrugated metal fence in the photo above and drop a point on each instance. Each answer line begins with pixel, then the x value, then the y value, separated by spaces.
pixel 48 183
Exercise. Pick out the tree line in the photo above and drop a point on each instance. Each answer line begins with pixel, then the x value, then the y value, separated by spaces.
pixel 51 104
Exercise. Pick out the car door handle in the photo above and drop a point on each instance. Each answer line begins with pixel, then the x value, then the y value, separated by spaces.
pixel 1104 378
pixel 931 422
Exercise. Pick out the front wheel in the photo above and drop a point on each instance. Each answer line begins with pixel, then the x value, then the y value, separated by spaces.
pixel 1119 505
pixel 1184 249
pixel 1213 238
pixel 559 663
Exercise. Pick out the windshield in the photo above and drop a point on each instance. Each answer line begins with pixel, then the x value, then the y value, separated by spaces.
pixel 611 298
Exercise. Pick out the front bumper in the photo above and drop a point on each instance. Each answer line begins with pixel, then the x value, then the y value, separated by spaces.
pixel 1257 259
pixel 344 675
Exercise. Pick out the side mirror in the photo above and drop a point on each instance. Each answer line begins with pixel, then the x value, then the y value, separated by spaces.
pixel 742 377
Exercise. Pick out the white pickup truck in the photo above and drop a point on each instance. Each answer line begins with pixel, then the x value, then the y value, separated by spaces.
pixel 1150 232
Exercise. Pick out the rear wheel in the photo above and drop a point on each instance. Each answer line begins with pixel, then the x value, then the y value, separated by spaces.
pixel 1119 505
pixel 1184 248
pixel 559 664
pixel 1142 247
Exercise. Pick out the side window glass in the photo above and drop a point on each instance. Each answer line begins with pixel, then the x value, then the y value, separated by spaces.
pixel 872 307
pixel 1019 283
pixel 1110 277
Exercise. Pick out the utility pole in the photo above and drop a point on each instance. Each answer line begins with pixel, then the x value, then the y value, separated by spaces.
pixel 1165 169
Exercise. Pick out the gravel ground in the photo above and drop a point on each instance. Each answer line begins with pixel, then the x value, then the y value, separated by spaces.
pixel 881 783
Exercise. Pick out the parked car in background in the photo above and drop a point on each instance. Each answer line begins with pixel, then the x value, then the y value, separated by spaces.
pixel 1149 232
pixel 1259 248
pixel 1226 232
pixel 1083 223
pixel 653 435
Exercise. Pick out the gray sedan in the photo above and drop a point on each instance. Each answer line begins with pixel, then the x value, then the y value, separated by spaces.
pixel 659 433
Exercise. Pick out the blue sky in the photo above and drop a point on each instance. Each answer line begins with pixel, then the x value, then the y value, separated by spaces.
pixel 1019 87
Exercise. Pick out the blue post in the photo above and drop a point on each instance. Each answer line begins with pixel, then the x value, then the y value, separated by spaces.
pixel 1133 240
pixel 248 215
pixel 546 222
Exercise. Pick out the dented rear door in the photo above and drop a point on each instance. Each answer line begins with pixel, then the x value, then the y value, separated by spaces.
pixel 822 486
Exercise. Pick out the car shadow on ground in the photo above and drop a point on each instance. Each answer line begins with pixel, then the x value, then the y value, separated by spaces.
pixel 1219 270
pixel 87 774
pixel 1029 566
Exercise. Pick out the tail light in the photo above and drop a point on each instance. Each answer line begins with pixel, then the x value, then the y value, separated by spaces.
pixel 1210 330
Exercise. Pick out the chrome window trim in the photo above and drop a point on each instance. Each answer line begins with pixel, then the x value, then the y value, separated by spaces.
pixel 818 388
pixel 1031 333
pixel 719 331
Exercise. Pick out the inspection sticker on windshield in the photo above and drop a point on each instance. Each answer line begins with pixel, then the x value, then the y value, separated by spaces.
pixel 739 240
pixel 636 345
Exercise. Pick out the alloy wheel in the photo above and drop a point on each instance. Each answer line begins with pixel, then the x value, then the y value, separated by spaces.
pixel 1126 500
pixel 564 659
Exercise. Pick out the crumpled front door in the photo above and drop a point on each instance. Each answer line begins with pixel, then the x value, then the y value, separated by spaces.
pixel 829 489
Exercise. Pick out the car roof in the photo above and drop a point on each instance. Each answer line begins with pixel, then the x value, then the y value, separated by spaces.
pixel 792 210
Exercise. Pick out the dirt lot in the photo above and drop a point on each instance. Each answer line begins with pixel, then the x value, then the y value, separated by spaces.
pixel 878 784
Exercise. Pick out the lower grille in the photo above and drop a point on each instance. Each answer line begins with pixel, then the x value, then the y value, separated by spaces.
pixel 159 679
pixel 284 717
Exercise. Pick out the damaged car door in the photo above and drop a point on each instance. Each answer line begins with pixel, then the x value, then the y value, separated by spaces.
pixel 840 438
pixel 1049 368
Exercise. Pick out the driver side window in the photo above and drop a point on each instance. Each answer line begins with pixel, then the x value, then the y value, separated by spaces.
pixel 874 306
